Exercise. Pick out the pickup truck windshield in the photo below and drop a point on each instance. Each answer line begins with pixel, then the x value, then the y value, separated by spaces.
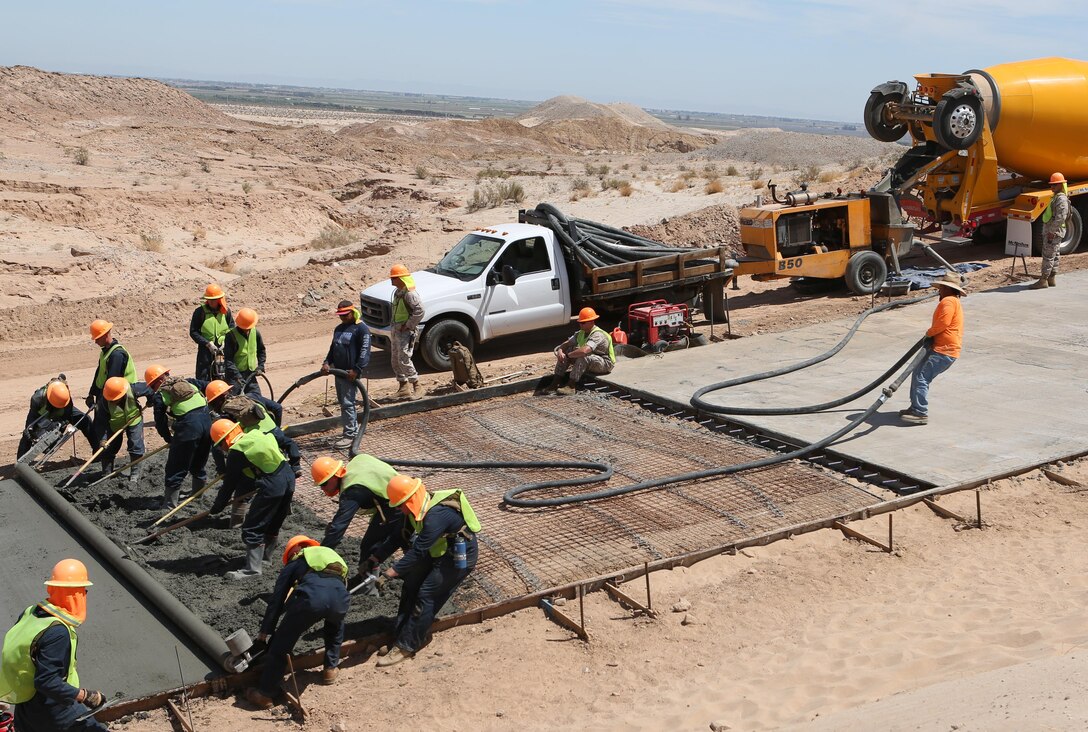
pixel 469 258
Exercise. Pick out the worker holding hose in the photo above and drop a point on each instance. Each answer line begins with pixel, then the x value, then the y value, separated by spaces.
pixel 310 587
pixel 587 351
pixel 114 360
pixel 181 419
pixel 53 403
pixel 350 351
pixel 38 668
pixel 1055 219
pixel 442 554
pixel 259 458
pixel 944 340
pixel 125 413
pixel 407 315
pixel 244 353
pixel 208 328
pixel 361 486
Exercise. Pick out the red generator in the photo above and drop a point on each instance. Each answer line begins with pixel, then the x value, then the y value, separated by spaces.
pixel 657 324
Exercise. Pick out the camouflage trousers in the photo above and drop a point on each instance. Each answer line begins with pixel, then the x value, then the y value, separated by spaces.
pixel 1051 253
pixel 401 346
pixel 592 363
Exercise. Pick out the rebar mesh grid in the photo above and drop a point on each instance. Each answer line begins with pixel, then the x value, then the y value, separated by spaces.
pixel 530 550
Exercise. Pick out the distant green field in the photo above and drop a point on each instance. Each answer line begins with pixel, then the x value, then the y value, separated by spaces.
pixel 455 107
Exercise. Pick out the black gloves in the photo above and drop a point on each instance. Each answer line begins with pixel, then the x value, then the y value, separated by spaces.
pixel 927 342
pixel 92 698
pixel 89 401
pixel 371 564
pixel 259 646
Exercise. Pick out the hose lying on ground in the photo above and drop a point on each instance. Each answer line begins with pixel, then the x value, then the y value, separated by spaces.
pixel 361 420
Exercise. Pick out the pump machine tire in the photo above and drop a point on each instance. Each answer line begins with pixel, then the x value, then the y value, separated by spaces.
pixel 436 340
pixel 875 122
pixel 865 273
pixel 1073 232
pixel 957 120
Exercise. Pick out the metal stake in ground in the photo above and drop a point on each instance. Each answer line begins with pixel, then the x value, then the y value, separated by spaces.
pixel 294 683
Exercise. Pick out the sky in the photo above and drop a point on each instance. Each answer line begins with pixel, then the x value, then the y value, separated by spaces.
pixel 815 59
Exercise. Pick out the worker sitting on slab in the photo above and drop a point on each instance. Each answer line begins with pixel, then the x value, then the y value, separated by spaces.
pixel 259 458
pixel 50 404
pixel 361 485
pixel 125 413
pixel 310 588
pixel 407 315
pixel 944 339
pixel 38 668
pixel 442 554
pixel 350 351
pixel 179 401
pixel 587 351
pixel 243 352
pixel 208 328
pixel 114 360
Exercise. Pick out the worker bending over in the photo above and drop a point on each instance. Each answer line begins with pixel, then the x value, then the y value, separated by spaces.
pixel 310 588
pixel 53 403
pixel 38 667
pixel 350 351
pixel 208 328
pixel 442 554
pixel 258 459
pixel 407 315
pixel 587 351
pixel 243 352
pixel 361 486
pixel 181 419
pixel 114 360
pixel 943 343
pixel 126 414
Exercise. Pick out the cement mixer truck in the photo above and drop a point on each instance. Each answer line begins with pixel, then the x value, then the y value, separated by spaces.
pixel 983 145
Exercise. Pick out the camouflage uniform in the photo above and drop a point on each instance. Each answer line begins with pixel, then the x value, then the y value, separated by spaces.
pixel 1054 232
pixel 401 342
pixel 596 362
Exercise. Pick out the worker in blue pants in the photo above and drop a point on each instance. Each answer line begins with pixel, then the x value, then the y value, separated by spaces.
pixel 188 436
pixel 310 588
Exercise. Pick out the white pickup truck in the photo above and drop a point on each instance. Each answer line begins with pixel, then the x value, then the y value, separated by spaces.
pixel 519 277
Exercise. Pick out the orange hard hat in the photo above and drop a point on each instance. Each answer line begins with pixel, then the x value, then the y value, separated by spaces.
pixel 215 389
pixel 296 544
pixel 225 429
pixel 407 491
pixel 246 318
pixel 325 468
pixel 399 270
pixel 69 573
pixel 586 315
pixel 58 395
pixel 114 388
pixel 1057 178
pixel 100 328
pixel 213 292
pixel 154 372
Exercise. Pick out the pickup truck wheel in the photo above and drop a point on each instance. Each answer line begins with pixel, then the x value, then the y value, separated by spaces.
pixel 957 121
pixel 437 340
pixel 877 122
pixel 1073 231
pixel 865 273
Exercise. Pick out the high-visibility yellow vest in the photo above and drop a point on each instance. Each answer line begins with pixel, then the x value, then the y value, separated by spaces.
pixel 214 327
pixel 196 401
pixel 321 558
pixel 261 450
pixel 245 358
pixel 369 472
pixel 16 665
pixel 582 337
pixel 101 376
pixel 124 411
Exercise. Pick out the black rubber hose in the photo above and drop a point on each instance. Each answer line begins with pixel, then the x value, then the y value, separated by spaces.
pixel 602 471
pixel 510 498
pixel 361 421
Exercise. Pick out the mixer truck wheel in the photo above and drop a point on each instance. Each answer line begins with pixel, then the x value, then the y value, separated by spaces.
pixel 865 273
pixel 437 340
pixel 877 122
pixel 1073 231
pixel 957 121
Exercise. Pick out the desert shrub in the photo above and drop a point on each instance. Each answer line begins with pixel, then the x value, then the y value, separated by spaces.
pixel 827 176
pixel 644 167
pixel 151 241
pixel 246 187
pixel 435 180
pixel 598 170
pixel 490 172
pixel 205 167
pixel 333 236
pixel 710 171
pixel 81 156
pixel 809 173
pixel 223 264
pixel 732 171
pixel 678 186
pixel 614 184
pixel 199 234
pixel 755 174
pixel 421 172
pixel 579 184
pixel 626 190
pixel 714 186
pixel 757 184
pixel 495 194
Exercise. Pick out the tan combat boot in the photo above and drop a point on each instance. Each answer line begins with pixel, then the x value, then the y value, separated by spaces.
pixel 1051 281
pixel 405 390
pixel 1042 284
pixel 329 674
pixel 417 391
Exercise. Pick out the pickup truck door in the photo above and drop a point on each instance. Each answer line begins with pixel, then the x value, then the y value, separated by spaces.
pixel 535 300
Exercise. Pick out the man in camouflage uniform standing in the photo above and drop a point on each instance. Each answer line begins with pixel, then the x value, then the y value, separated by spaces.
pixel 1055 219
pixel 407 314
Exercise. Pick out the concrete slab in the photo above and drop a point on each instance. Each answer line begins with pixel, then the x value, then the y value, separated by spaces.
pixel 124 645
pixel 1015 399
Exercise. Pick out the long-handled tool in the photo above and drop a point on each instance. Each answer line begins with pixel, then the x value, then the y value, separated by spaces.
pixel 186 522
pixel 93 457
pixel 366 584
pixel 118 697
pixel 128 465
pixel 187 501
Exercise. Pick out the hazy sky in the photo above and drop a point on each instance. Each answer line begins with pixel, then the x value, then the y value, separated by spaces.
pixel 799 58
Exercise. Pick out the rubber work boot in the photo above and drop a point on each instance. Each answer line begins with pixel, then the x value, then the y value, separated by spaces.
pixel 1052 280
pixel 134 476
pixel 107 466
pixel 396 655
pixel 404 391
pixel 1042 284
pixel 417 391
pixel 170 499
pixel 329 674
pixel 270 542
pixel 252 566
pixel 257 699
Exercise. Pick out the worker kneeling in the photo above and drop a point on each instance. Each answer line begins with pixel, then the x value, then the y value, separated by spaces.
pixel 310 588
pixel 587 351
pixel 259 458
pixel 38 667
pixel 442 554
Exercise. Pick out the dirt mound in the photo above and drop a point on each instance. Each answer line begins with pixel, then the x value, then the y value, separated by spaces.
pixel 794 150
pixel 570 107
pixel 707 227
pixel 32 96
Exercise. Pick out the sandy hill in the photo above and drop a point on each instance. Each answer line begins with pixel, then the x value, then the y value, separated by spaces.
pixel 571 107
pixel 33 96
pixel 774 147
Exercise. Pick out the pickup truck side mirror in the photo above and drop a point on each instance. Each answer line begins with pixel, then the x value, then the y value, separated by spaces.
pixel 509 275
